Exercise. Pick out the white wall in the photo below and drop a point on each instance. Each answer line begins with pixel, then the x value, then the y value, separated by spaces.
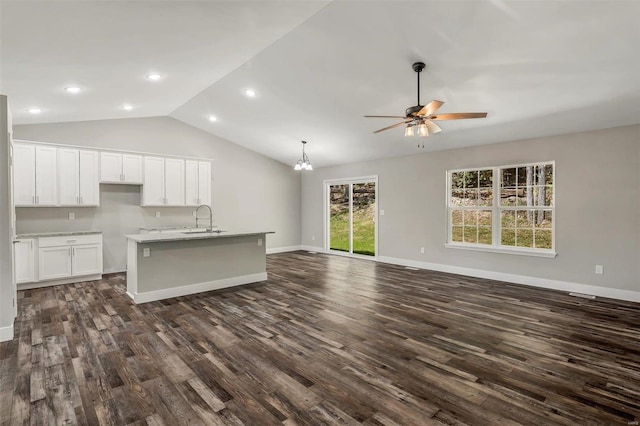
pixel 249 191
pixel 7 293
pixel 597 207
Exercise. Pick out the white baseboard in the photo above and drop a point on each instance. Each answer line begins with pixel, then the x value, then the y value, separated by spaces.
pixel 49 283
pixel 613 293
pixel 312 248
pixel 167 293
pixel 283 249
pixel 6 333
pixel 114 270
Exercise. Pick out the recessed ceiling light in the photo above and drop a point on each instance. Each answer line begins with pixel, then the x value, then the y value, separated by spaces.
pixel 213 118
pixel 72 89
pixel 34 110
pixel 127 107
pixel 154 76
pixel 249 92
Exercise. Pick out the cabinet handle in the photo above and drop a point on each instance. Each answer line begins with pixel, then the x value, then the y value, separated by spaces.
pixel 71 241
pixel 33 199
pixel 37 199
pixel 77 200
pixel 81 202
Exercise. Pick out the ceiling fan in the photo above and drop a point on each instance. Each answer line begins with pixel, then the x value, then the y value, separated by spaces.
pixel 419 119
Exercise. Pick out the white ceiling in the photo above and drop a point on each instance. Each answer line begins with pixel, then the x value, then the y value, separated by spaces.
pixel 538 68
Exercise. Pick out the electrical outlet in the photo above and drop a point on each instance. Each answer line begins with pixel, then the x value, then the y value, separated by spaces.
pixel 599 269
pixel 146 252
pixel 259 242
pixel 72 216
pixel 381 212
pixel 157 214
pixel 422 250
pixel 194 214
pixel 313 238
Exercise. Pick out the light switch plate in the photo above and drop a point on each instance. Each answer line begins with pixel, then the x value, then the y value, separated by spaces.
pixel 381 212
pixel 72 216
pixel 146 252
pixel 259 242
pixel 599 269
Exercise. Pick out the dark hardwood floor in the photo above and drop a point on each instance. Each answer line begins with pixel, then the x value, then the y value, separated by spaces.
pixel 326 340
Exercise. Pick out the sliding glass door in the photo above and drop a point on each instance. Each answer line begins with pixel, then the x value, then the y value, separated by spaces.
pixel 352 216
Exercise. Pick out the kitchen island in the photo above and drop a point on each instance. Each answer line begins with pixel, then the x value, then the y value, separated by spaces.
pixel 161 266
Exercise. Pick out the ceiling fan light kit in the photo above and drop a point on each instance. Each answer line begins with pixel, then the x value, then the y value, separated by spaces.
pixel 418 119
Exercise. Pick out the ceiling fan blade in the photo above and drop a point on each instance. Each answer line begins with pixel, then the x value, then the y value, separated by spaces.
pixel 384 116
pixel 430 108
pixel 433 127
pixel 458 115
pixel 391 127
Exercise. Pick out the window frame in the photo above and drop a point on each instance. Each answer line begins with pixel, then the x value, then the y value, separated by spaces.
pixel 496 214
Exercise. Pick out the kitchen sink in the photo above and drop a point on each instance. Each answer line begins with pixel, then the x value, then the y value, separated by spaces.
pixel 215 231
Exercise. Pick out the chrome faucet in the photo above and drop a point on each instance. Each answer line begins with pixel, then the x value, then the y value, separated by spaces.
pixel 210 228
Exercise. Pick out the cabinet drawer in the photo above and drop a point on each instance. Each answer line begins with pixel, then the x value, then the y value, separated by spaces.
pixel 70 240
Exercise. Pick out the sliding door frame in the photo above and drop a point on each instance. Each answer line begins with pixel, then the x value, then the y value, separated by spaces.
pixel 327 217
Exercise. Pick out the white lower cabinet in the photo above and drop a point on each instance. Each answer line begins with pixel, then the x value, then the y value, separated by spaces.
pixel 54 262
pixel 57 258
pixel 86 259
pixel 24 261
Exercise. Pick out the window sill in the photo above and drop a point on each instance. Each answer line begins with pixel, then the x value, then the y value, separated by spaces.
pixel 503 250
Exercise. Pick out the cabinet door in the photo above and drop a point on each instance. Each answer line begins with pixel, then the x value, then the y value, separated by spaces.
pixel 174 182
pixel 89 186
pixel 191 182
pixel 132 168
pixel 87 259
pixel 46 176
pixel 54 262
pixel 153 186
pixel 24 175
pixel 23 257
pixel 204 183
pixel 68 176
pixel 110 167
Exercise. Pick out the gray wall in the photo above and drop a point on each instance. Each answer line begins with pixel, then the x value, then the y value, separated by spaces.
pixel 7 294
pixel 597 206
pixel 249 191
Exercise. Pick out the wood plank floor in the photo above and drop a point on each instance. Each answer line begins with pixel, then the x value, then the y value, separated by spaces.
pixel 326 340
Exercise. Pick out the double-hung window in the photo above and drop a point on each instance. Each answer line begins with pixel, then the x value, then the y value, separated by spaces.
pixel 505 209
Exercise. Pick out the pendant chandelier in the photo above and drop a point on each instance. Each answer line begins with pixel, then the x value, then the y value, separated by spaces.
pixel 303 163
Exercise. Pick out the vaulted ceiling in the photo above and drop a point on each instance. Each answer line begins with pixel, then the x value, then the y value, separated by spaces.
pixel 538 68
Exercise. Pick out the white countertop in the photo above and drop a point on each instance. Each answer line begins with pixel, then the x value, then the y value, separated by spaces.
pixel 56 234
pixel 179 236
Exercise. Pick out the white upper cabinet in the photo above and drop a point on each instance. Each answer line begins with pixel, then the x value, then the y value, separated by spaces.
pixel 46 176
pixel 24 175
pixel 89 184
pixel 163 182
pixel 198 182
pixel 153 186
pixel 34 175
pixel 68 176
pixel 120 168
pixel 78 177
pixel 110 167
pixel 174 182
pixel 131 168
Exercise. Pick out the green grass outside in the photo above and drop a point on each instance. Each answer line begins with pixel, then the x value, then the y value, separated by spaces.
pixel 364 232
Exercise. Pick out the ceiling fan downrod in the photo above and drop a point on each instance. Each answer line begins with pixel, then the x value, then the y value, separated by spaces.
pixel 418 67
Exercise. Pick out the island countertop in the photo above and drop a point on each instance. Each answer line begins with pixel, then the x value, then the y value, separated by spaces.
pixel 183 236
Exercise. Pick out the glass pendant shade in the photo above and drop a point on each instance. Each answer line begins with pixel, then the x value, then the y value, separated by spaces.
pixel 408 131
pixel 423 132
pixel 303 163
